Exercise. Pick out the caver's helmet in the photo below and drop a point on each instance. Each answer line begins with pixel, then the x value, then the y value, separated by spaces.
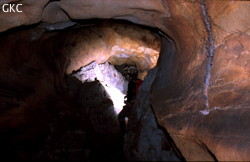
pixel 131 72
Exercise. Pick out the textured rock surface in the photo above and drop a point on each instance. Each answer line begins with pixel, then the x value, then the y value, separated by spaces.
pixel 200 93
pixel 205 112
pixel 116 43
pixel 139 12
pixel 145 135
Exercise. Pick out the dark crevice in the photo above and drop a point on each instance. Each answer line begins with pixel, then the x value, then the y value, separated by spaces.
pixel 172 143
pixel 167 56
pixel 210 152
pixel 169 139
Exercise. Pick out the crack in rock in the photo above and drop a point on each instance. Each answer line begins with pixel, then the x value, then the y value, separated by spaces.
pixel 210 49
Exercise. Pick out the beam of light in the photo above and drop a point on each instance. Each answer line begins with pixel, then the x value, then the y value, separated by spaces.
pixel 116 96
pixel 113 82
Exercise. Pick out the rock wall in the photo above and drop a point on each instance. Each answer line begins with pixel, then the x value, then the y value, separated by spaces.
pixel 145 140
pixel 205 108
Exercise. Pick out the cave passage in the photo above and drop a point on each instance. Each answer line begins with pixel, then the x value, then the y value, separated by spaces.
pixel 100 90
pixel 107 91
pixel 62 83
pixel 75 79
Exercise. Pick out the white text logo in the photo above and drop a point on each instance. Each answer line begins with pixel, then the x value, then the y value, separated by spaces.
pixel 11 8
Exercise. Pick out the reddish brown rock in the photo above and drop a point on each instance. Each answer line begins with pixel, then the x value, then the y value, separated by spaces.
pixel 230 74
pixel 218 131
pixel 116 43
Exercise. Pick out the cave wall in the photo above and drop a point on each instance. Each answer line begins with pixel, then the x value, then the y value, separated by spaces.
pixel 205 104
pixel 205 108
pixel 145 140
pixel 33 96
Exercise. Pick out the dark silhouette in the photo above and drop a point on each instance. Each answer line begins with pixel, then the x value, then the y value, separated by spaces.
pixel 131 75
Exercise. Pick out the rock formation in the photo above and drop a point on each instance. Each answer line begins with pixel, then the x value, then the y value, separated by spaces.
pixel 194 99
